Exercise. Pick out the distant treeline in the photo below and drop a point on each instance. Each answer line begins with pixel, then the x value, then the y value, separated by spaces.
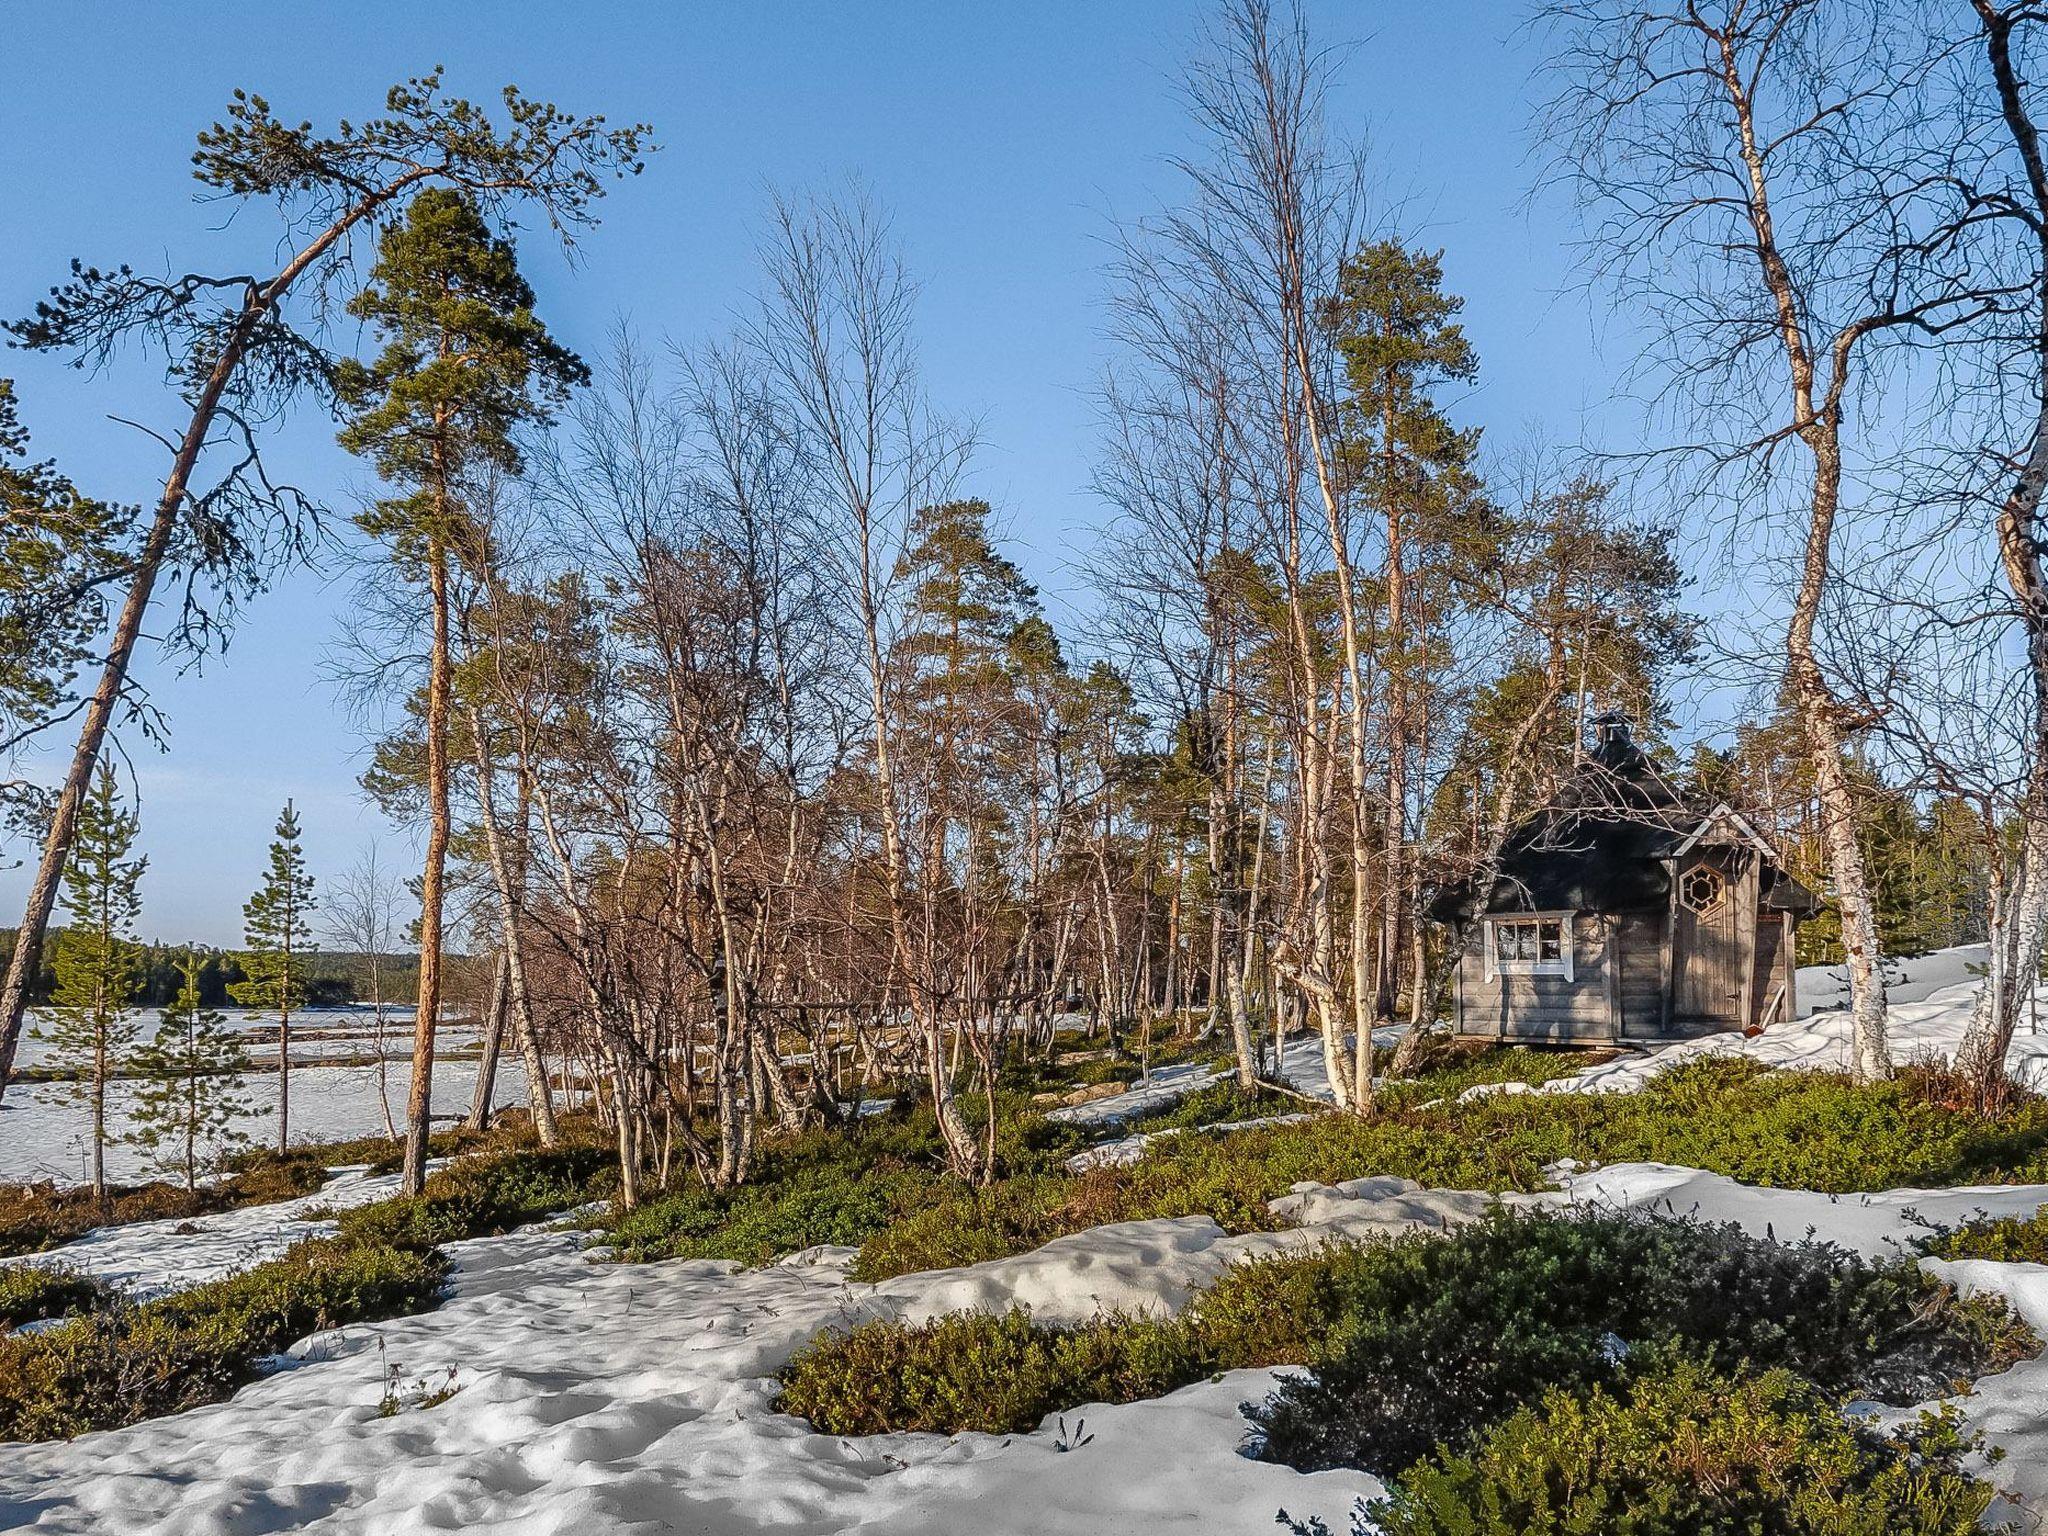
pixel 332 979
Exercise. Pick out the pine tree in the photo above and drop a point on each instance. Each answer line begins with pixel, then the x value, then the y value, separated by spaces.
pixel 465 363
pixel 1396 329
pixel 278 928
pixel 90 1031
pixel 191 1092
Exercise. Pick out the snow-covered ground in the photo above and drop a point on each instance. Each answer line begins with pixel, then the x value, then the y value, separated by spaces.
pixel 43 1129
pixel 149 1258
pixel 1825 987
pixel 1301 1068
pixel 602 1397
pixel 598 1397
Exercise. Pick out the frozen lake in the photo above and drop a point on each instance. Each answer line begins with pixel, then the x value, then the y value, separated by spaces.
pixel 43 1129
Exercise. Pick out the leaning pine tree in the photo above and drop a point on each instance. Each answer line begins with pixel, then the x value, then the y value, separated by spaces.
pixel 191 1093
pixel 89 1029
pixel 278 928
pixel 465 363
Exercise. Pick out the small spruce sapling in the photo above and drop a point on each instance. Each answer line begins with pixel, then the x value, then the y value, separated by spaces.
pixel 90 1030
pixel 278 928
pixel 191 1094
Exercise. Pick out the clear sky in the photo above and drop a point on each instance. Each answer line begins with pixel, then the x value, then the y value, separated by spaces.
pixel 1007 140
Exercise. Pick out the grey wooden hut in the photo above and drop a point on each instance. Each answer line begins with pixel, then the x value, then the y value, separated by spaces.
pixel 1626 912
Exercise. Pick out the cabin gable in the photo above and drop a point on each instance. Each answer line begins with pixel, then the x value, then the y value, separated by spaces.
pixel 1626 914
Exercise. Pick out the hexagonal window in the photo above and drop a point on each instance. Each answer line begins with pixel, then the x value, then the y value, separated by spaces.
pixel 1702 889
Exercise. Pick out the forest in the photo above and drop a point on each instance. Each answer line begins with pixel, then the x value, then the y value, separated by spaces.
pixel 817 879
pixel 732 734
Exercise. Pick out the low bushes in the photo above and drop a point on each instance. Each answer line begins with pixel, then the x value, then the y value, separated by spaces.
pixel 125 1362
pixel 1689 1451
pixel 836 1186
pixel 1435 1338
pixel 2010 1239
pixel 1450 1065
pixel 1427 1338
pixel 757 1222
pixel 122 1362
pixel 483 1196
pixel 983 1371
pixel 1219 1103
pixel 32 1293
pixel 1808 1130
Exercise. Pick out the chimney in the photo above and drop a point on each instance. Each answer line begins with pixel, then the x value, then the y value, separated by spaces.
pixel 1610 736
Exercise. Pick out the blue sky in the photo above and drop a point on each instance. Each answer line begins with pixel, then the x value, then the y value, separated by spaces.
pixel 1006 139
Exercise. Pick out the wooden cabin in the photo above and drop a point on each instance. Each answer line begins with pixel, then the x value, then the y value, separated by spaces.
pixel 1626 912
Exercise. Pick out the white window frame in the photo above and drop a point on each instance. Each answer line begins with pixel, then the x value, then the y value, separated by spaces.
pixel 1561 966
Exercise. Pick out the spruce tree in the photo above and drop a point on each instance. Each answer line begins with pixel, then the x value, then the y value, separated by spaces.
pixel 277 925
pixel 465 363
pixel 191 1093
pixel 90 1030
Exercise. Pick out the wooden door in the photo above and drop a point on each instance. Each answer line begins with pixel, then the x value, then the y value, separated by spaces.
pixel 1706 948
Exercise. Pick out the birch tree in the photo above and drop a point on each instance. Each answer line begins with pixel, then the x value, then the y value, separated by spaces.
pixel 1750 171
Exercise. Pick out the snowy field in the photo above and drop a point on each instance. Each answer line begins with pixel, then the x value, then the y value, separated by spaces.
pixel 44 1127
pixel 1823 988
pixel 594 1397
pixel 151 1258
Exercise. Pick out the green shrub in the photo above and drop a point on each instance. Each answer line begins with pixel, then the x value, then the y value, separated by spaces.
pixel 2009 1239
pixel 1428 1337
pixel 32 1293
pixel 316 1284
pixel 1812 1130
pixel 1690 1452
pixel 759 1222
pixel 1219 1103
pixel 958 1224
pixel 842 1186
pixel 980 1371
pixel 1440 1336
pixel 1450 1066
pixel 123 1363
pixel 482 1197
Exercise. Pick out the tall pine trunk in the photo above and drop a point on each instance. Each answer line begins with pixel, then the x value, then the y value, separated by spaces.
pixel 419 1102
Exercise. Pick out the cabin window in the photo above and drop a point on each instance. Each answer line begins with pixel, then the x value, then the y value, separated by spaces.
pixel 1702 889
pixel 1537 945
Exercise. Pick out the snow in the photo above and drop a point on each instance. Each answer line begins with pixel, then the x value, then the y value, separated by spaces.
pixel 603 1397
pixel 1166 1087
pixel 1301 1068
pixel 1125 1150
pixel 43 1130
pixel 150 1258
pixel 1907 980
pixel 593 1396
